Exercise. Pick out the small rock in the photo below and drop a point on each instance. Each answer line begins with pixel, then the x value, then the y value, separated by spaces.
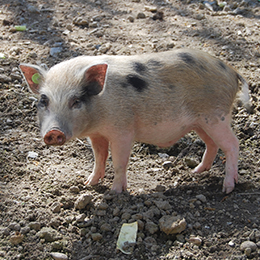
pixel 55 51
pixel 167 164
pixel 74 189
pixel 33 9
pixel 4 78
pixel 197 225
pixel 16 239
pixel 152 9
pixel 49 234
pixel 151 227
pixel 104 47
pixel 82 201
pixel 164 205
pixel 35 225
pixel 14 226
pixel 201 197
pixel 231 243
pixel 172 224
pixel 25 230
pixel 160 188
pixel 106 227
pixel 195 240
pixel 158 16
pixel 80 21
pixel 55 207
pixel 96 236
pixel 191 163
pixel 131 18
pixel 103 206
pixel 248 244
pixel 5 231
pixel 81 217
pixel 58 256
pixel 141 16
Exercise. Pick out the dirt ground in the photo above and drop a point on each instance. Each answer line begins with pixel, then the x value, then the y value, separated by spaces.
pixel 39 185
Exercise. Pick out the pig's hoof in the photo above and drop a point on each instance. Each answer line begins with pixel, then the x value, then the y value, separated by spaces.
pixel 228 189
pixel 118 187
pixel 92 181
pixel 201 168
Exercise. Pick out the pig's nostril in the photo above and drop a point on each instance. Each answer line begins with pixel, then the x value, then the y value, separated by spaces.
pixel 55 137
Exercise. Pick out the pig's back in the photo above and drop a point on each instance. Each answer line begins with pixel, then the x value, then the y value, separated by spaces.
pixel 171 83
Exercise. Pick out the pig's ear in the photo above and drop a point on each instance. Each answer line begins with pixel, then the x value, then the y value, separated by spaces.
pixel 95 77
pixel 33 76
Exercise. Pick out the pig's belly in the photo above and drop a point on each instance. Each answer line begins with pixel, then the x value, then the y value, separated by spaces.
pixel 163 134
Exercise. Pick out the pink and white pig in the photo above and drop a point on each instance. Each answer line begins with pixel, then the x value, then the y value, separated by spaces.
pixel 151 98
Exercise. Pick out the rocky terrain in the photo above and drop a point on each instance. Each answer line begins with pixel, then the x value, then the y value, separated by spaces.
pixel 46 210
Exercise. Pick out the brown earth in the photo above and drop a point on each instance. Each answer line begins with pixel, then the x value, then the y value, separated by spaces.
pixel 39 185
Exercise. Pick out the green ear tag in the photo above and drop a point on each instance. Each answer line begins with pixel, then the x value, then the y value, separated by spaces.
pixel 36 78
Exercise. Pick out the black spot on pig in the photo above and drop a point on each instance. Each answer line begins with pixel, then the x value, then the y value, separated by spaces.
pixel 222 118
pixel 139 67
pixel 187 58
pixel 138 83
pixel 154 64
pixel 172 87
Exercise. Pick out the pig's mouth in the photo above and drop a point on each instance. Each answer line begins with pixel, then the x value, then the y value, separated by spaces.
pixel 54 137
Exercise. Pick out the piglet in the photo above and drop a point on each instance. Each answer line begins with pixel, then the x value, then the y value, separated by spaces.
pixel 151 98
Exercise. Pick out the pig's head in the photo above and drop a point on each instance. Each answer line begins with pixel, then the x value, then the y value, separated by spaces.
pixel 68 98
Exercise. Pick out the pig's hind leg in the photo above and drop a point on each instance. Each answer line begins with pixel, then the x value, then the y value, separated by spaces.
pixel 224 138
pixel 120 149
pixel 209 154
pixel 100 148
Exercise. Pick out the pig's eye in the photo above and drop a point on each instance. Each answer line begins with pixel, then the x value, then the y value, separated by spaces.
pixel 44 101
pixel 75 103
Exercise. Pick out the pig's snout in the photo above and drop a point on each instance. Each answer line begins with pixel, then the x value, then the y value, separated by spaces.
pixel 55 137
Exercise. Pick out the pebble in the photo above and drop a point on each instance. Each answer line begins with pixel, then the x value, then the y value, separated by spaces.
pixel 195 240
pixel 35 225
pixel 55 207
pixel 104 47
pixel 202 198
pixel 151 227
pixel 82 201
pixel 49 234
pixel 248 244
pixel 16 239
pixel 164 205
pixel 74 189
pixel 231 243
pixel 55 51
pixel 80 21
pixel 172 224
pixel 106 227
pixel 167 164
pixel 4 78
pixel 152 9
pixel 58 256
pixel 80 218
pixel 14 226
pixel 141 16
pixel 96 236
pixel 131 18
pixel 5 231
pixel 191 162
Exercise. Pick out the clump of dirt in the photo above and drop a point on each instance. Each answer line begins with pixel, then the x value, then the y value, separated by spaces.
pixel 40 186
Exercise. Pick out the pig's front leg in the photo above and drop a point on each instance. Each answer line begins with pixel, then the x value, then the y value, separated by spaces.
pixel 100 148
pixel 120 150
